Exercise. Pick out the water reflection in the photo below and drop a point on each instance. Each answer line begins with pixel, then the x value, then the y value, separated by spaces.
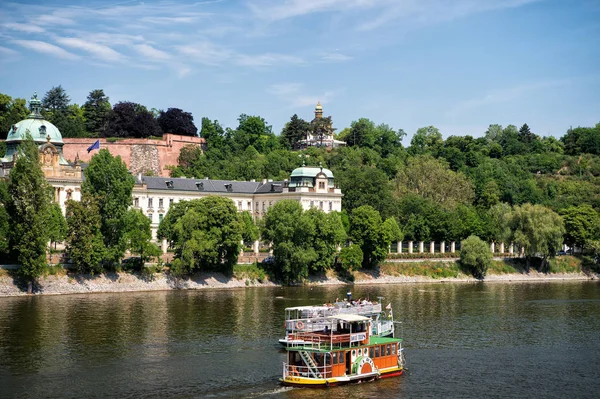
pixel 461 340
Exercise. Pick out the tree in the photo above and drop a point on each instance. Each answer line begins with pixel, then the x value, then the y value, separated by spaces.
pixel 110 183
pixel 138 236
pixel 56 99
pixel 581 225
pixel 4 219
pixel 213 133
pixel 70 122
pixel 85 244
pixel 207 236
pixel 11 112
pixel 129 119
pixel 176 121
pixel 57 225
pixel 253 131
pixel 538 230
pixel 250 231
pixel 96 112
pixel 427 140
pixel 362 133
pixel 367 232
pixel 365 185
pixel 387 140
pixel 294 131
pixel 188 155
pixel 475 255
pixel 350 258
pixel 431 178
pixel 28 204
pixel 328 234
pixel 290 231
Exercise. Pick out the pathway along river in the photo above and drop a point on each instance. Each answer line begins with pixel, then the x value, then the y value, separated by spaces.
pixel 462 340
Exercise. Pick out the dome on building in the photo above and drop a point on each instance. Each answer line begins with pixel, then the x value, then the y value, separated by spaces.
pixel 307 176
pixel 311 171
pixel 41 130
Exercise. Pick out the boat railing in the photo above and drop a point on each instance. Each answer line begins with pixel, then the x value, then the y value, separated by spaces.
pixel 290 370
pixel 325 341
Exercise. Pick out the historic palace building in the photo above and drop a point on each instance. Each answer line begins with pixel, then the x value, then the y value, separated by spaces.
pixel 321 132
pixel 311 186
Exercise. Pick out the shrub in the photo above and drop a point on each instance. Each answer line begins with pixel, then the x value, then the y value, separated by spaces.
pixel 351 257
pixel 476 256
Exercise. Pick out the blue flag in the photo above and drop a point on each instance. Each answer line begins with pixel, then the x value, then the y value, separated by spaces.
pixel 94 146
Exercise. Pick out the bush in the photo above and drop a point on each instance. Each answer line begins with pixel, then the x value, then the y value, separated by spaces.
pixel 423 255
pixel 476 256
pixel 350 258
pixel 429 269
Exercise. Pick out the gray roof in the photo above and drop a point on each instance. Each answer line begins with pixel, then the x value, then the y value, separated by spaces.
pixel 210 186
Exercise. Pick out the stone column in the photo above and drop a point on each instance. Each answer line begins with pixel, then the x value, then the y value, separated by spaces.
pixel 443 247
pixel 256 245
pixel 453 247
pixel 492 247
pixel 420 247
pixel 502 247
pixel 163 246
pixel 399 249
pixel 432 247
pixel 410 247
pixel 270 248
pixel 242 250
pixel 511 248
pixel 390 249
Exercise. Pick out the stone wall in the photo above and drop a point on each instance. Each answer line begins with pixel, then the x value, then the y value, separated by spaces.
pixel 140 155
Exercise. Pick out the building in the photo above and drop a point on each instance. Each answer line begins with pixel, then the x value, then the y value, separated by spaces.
pixel 311 186
pixel 63 176
pixel 321 132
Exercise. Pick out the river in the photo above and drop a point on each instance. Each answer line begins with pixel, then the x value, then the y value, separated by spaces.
pixel 468 340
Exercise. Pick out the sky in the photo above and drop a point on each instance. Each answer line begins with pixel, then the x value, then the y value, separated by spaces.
pixel 459 65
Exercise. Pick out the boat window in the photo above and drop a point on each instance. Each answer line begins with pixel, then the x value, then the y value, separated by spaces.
pixel 394 349
pixel 382 350
pixel 377 351
pixel 334 358
pixel 371 352
pixel 341 358
pixel 353 352
pixel 387 350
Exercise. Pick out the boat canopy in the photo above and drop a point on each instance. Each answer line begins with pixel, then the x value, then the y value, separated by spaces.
pixel 349 317
pixel 308 308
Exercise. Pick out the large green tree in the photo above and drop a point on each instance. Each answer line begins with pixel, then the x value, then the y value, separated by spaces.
pixel 294 131
pixel 369 233
pixel 28 209
pixel 57 225
pixel 11 112
pixel 206 233
pixel 85 244
pixel 329 234
pixel 538 230
pixel 4 219
pixel 96 112
pixel 110 183
pixel 582 224
pixel 177 121
pixel 475 255
pixel 290 230
pixel 138 236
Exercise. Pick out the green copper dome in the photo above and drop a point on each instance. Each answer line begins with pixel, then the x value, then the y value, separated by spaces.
pixel 39 128
pixel 307 171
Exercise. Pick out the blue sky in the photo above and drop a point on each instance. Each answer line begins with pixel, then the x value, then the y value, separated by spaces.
pixel 459 65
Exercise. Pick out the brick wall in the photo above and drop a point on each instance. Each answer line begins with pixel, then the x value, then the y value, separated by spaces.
pixel 140 155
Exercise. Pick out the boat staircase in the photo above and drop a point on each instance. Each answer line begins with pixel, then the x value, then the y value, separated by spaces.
pixel 313 369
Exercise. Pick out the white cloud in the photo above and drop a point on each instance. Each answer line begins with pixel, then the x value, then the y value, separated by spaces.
pixel 278 10
pixel 152 53
pixel 51 19
pixel 28 28
pixel 295 95
pixel 46 48
pixel 99 50
pixel 335 57
pixel 267 59
pixel 205 53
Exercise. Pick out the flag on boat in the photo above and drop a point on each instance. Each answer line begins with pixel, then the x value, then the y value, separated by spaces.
pixel 94 146
pixel 389 306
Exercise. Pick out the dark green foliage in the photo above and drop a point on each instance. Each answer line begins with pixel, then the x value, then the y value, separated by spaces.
pixel 206 233
pixel 475 255
pixel 56 99
pixel 350 258
pixel 582 224
pixel 57 225
pixel 4 219
pixel 369 233
pixel 85 245
pixel 294 131
pixel 96 112
pixel 177 121
pixel 138 235
pixel 110 183
pixel 28 205
pixel 250 231
pixel 129 119
pixel 11 112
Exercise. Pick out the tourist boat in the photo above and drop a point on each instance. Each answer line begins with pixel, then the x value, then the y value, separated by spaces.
pixel 312 317
pixel 343 351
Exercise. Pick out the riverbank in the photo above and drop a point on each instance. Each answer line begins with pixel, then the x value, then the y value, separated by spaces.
pixel 62 284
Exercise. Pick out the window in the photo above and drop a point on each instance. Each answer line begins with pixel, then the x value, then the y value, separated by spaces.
pixel 249 205
pixel 150 217
pixel 264 206
pixel 321 205
pixel 239 205
pixel 170 202
pixel 160 203
pixel 393 349
pixel 136 202
pixel 160 217
pixel 371 352
pixel 321 184
pixel 150 203
pixel 388 351
pixel 377 351
pixel 312 203
pixel 69 194
pixel 330 206
pixel 334 358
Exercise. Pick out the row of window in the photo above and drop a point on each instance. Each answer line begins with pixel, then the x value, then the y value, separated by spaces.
pixel 373 352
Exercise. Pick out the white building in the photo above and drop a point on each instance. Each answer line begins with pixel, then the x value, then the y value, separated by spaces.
pixel 311 186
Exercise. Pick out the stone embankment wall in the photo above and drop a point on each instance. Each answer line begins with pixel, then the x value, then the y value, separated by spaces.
pixel 140 155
